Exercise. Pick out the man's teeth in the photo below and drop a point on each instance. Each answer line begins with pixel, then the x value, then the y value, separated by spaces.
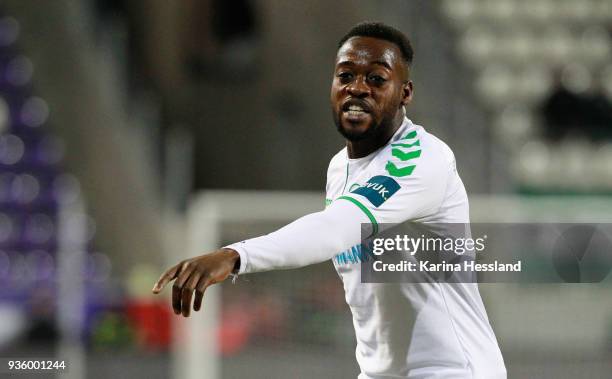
pixel 355 110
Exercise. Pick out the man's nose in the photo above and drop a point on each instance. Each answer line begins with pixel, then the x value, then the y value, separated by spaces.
pixel 358 88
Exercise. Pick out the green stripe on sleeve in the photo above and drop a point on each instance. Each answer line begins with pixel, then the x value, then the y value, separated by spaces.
pixel 393 170
pixel 405 156
pixel 417 143
pixel 365 210
pixel 410 135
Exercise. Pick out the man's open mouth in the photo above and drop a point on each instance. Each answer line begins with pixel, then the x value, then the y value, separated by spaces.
pixel 355 109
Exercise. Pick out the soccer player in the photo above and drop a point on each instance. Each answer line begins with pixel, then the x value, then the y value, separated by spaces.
pixel 390 171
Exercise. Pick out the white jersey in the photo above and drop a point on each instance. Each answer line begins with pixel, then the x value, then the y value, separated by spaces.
pixel 412 330
pixel 403 330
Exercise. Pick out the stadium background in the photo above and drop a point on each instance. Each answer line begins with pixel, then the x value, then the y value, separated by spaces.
pixel 113 114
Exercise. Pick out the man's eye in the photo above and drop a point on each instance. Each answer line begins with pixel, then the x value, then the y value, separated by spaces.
pixel 345 76
pixel 377 79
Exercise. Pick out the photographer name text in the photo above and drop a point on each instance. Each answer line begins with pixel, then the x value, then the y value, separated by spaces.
pixel 465 266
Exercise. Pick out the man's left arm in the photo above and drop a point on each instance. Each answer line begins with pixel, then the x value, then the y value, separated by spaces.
pixel 311 239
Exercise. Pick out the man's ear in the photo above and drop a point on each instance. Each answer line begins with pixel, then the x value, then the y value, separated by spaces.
pixel 407 93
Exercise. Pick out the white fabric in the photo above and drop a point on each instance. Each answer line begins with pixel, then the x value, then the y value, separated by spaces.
pixel 311 239
pixel 407 330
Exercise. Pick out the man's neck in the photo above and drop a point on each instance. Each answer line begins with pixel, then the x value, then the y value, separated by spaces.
pixel 360 149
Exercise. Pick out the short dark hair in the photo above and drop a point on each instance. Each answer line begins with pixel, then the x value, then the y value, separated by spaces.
pixel 381 31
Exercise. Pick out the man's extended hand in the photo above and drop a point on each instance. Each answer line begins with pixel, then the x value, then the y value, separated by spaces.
pixel 196 274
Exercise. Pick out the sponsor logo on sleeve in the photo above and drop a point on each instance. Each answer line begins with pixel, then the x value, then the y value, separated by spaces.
pixel 378 189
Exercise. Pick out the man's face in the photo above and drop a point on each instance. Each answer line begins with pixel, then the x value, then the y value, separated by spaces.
pixel 370 86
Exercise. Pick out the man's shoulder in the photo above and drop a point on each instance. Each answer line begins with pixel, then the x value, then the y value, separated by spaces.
pixel 438 146
pixel 414 152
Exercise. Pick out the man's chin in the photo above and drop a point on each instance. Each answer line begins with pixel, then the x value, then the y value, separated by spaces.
pixel 355 132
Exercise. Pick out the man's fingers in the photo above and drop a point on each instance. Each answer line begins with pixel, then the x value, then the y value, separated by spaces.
pixel 186 301
pixel 165 278
pixel 176 299
pixel 177 289
pixel 187 293
pixel 197 301
pixel 203 283
pixel 184 276
pixel 194 275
